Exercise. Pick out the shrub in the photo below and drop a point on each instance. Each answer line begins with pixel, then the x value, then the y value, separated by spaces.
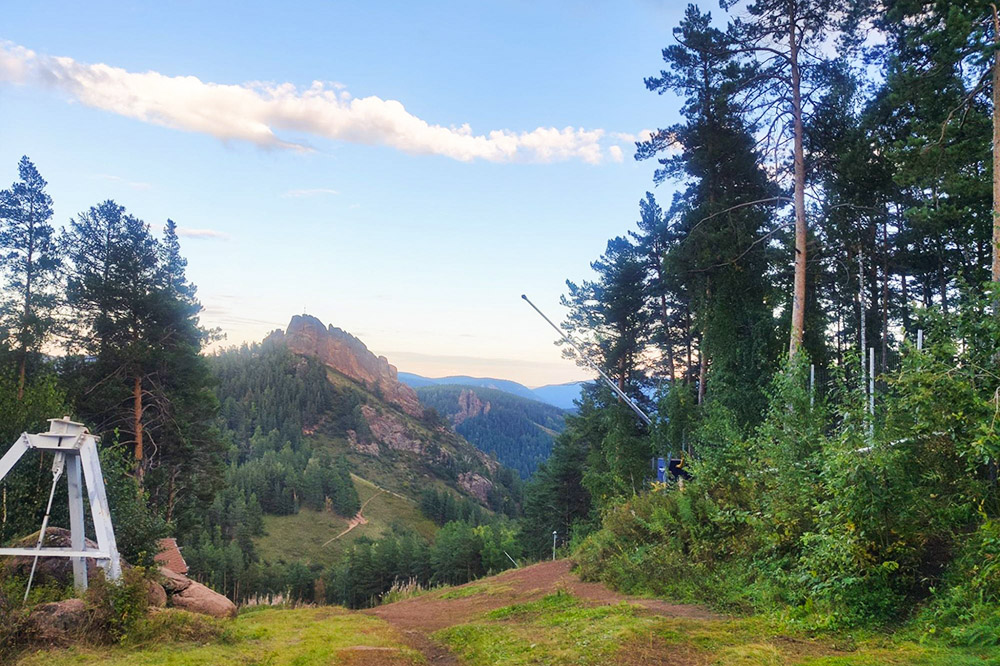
pixel 116 608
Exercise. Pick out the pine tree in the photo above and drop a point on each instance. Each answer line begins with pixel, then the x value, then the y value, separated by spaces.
pixel 783 40
pixel 31 263
pixel 711 243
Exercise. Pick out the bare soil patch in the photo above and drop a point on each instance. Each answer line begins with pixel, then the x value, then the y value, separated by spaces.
pixel 421 616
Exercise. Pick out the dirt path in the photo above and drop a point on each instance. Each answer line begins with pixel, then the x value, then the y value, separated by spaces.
pixel 358 519
pixel 421 616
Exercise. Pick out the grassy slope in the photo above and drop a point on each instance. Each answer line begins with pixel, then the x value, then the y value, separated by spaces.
pixel 555 629
pixel 302 637
pixel 301 537
pixel 560 629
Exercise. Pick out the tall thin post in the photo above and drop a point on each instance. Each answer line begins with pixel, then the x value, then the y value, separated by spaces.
pixel 871 391
pixel 614 387
pixel 862 337
pixel 554 545
pixel 920 339
pixel 74 479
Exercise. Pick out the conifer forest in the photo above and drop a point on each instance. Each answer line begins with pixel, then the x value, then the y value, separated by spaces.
pixel 806 303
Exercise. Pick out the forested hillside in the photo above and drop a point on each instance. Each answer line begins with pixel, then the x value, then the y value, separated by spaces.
pixel 810 318
pixel 298 430
pixel 519 432
pixel 819 303
pixel 216 450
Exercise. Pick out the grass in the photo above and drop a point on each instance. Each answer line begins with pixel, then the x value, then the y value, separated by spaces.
pixel 473 589
pixel 301 537
pixel 560 629
pixel 271 637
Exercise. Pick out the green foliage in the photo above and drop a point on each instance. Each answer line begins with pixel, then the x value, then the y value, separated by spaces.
pixel 43 399
pixel 517 431
pixel 30 261
pixel 170 626
pixel 137 525
pixel 116 608
pixel 829 516
pixel 444 507
pixel 556 498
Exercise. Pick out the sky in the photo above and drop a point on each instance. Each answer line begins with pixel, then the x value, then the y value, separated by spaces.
pixel 404 171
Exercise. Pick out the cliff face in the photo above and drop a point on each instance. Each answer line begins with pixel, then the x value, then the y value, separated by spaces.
pixel 349 356
pixel 470 406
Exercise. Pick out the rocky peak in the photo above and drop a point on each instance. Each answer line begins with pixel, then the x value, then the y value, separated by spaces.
pixel 341 351
pixel 469 406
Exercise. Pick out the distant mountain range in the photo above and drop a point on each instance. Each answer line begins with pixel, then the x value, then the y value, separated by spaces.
pixel 558 395
pixel 518 431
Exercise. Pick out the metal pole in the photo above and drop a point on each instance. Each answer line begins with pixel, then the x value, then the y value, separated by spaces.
pixel 74 484
pixel 871 393
pixel 861 307
pixel 871 381
pixel 812 384
pixel 553 545
pixel 614 387
pixel 920 339
pixel 57 469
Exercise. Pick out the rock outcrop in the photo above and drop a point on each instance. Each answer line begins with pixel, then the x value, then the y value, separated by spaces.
pixel 391 431
pixel 469 406
pixel 192 596
pixel 349 356
pixel 58 622
pixel 197 598
pixel 57 570
pixel 476 485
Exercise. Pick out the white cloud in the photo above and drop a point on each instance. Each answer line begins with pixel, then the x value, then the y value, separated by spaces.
pixel 616 153
pixel 317 191
pixel 255 112
pixel 203 234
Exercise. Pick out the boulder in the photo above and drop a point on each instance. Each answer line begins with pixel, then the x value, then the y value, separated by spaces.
pixel 174 582
pixel 197 598
pixel 58 622
pixel 57 570
pixel 156 595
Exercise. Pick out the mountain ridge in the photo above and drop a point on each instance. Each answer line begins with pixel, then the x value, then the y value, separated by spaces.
pixel 519 431
pixel 558 395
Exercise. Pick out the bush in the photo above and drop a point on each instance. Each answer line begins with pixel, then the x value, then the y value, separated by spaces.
pixel 116 608
pixel 966 609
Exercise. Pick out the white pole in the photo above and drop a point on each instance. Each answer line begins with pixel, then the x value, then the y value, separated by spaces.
pixel 812 384
pixel 920 339
pixel 611 384
pixel 553 545
pixel 871 391
pixel 861 308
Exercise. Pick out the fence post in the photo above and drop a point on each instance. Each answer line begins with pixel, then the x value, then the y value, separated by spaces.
pixel 812 384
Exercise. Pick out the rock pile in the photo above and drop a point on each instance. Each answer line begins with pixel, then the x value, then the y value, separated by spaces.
pixel 58 622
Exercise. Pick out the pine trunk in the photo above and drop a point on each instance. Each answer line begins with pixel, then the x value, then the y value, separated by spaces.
pixel 995 272
pixel 137 427
pixel 799 291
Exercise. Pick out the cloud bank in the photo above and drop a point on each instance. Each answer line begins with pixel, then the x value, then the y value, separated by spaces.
pixel 264 113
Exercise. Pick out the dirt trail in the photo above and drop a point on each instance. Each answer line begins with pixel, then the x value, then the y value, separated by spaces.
pixel 419 617
pixel 358 519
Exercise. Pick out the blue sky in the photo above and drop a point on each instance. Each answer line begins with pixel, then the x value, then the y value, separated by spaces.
pixel 316 158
